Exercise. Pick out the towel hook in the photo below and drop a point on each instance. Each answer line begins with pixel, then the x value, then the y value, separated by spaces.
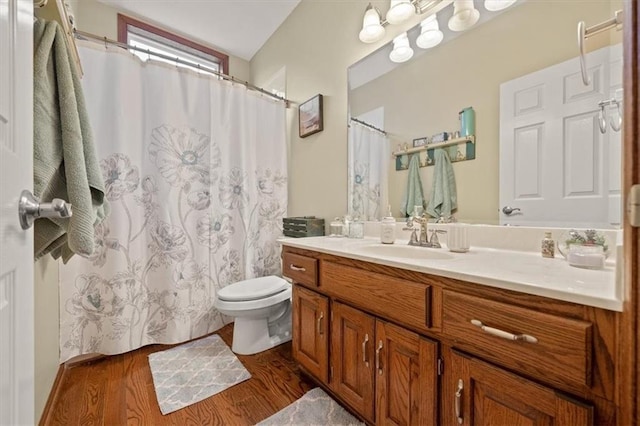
pixel 616 125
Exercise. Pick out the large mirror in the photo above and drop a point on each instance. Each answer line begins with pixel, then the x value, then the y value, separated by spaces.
pixel 496 67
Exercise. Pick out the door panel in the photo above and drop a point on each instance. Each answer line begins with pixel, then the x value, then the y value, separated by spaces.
pixel 406 377
pixel 16 245
pixel 310 332
pixel 352 355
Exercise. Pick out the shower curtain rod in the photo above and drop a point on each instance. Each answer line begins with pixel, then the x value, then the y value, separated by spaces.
pixel 365 124
pixel 80 35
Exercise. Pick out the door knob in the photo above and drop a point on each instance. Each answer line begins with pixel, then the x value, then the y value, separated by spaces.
pixel 30 209
pixel 508 210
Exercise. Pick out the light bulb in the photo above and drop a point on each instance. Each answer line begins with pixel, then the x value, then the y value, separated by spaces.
pixel 372 29
pixel 399 11
pixel 464 16
pixel 401 52
pixel 496 5
pixel 430 34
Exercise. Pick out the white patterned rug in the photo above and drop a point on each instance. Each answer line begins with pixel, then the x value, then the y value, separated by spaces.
pixel 314 408
pixel 194 371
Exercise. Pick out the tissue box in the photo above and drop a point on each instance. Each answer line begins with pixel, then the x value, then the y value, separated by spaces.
pixel 305 226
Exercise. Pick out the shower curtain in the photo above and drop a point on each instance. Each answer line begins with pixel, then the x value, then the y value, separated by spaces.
pixel 369 157
pixel 195 171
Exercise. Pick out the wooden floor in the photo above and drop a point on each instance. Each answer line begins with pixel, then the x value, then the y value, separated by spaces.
pixel 118 390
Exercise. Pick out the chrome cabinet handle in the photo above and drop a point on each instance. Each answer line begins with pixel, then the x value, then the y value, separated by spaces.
pixel 297 268
pixel 504 334
pixel 319 325
pixel 509 210
pixel 378 366
pixel 30 209
pixel 364 350
pixel 458 402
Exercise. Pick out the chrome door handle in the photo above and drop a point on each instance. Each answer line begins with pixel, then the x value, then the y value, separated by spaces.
pixel 504 334
pixel 378 366
pixel 364 350
pixel 297 268
pixel 320 332
pixel 458 402
pixel 30 209
pixel 509 210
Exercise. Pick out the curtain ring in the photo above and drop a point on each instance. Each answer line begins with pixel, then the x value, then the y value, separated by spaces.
pixel 177 59
pixel 105 43
pixel 602 121
pixel 616 125
pixel 148 55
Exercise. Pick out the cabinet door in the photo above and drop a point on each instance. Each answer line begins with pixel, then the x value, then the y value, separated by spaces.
pixel 477 393
pixel 406 377
pixel 352 357
pixel 310 333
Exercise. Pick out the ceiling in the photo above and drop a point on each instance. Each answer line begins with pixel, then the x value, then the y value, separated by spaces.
pixel 238 27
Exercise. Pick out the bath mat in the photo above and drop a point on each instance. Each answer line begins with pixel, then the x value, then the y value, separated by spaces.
pixel 194 371
pixel 314 408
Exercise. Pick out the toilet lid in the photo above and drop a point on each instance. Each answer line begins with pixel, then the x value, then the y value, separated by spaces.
pixel 256 288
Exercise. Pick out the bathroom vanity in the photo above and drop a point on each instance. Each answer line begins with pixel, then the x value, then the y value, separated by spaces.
pixel 405 335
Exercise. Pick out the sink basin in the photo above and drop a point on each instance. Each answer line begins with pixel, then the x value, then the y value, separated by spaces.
pixel 404 252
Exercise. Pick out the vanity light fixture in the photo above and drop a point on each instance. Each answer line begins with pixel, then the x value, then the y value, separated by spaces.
pixel 496 5
pixel 372 29
pixel 399 11
pixel 465 15
pixel 430 34
pixel 402 51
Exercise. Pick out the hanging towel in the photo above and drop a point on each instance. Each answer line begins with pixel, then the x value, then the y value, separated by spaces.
pixel 64 160
pixel 444 198
pixel 414 195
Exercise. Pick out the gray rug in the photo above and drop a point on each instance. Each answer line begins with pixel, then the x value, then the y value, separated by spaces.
pixel 314 408
pixel 194 371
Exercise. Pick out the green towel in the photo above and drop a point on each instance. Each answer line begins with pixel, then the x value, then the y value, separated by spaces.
pixel 444 198
pixel 64 159
pixel 414 195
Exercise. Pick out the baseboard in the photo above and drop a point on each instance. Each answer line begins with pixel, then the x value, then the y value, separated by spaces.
pixel 53 396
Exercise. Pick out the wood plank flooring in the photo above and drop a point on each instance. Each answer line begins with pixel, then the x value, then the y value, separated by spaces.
pixel 118 390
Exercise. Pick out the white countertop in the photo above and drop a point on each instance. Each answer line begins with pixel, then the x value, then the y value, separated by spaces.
pixel 522 271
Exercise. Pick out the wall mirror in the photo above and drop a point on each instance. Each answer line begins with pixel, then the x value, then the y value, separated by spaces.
pixel 538 136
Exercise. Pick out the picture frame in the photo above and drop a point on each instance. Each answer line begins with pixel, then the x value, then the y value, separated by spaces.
pixel 310 119
pixel 419 142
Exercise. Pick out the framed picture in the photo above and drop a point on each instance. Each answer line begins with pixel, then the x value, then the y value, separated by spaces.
pixel 310 116
pixel 419 142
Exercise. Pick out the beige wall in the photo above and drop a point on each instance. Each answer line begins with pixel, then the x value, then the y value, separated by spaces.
pixel 318 42
pixel 423 96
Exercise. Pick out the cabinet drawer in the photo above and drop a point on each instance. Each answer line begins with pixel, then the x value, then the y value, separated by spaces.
pixel 301 269
pixel 556 349
pixel 391 298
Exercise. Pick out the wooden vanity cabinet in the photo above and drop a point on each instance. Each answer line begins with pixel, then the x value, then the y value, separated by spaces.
pixel 371 357
pixel 476 393
pixel 402 347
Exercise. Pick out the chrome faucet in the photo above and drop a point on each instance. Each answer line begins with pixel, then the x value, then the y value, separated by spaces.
pixel 422 240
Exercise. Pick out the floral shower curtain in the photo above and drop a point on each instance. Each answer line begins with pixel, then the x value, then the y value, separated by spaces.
pixel 369 157
pixel 195 172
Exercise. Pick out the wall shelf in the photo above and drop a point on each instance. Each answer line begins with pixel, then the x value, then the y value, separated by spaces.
pixel 454 152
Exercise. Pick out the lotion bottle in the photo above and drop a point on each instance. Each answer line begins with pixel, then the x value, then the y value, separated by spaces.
pixel 388 229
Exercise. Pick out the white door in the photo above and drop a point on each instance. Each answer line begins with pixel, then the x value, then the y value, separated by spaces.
pixel 556 166
pixel 16 245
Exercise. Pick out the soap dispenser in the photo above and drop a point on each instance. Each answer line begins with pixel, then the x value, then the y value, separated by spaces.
pixel 388 229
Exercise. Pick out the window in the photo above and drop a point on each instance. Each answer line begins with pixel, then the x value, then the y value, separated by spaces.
pixel 148 37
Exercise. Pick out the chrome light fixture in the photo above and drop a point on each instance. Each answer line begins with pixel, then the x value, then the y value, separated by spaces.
pixel 465 15
pixel 402 51
pixel 430 34
pixel 400 11
pixel 372 29
pixel 496 5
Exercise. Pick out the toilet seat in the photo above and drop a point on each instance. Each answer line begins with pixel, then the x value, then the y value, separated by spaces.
pixel 243 295
pixel 253 289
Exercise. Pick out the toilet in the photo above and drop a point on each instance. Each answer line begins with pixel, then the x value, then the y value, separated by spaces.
pixel 262 311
